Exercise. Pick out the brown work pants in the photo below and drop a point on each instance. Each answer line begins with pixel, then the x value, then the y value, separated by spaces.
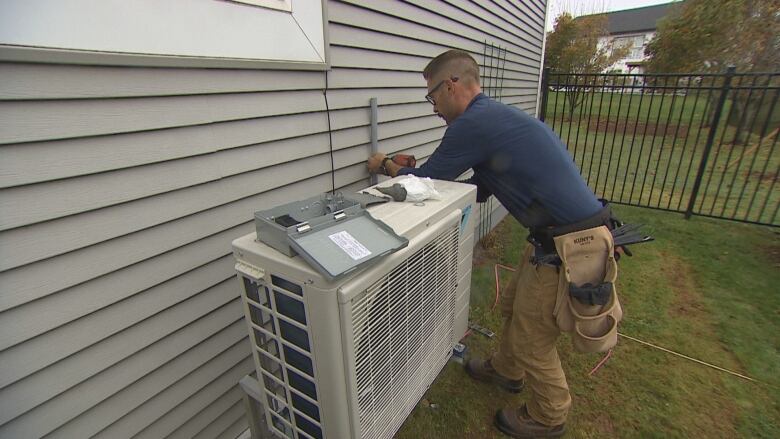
pixel 527 348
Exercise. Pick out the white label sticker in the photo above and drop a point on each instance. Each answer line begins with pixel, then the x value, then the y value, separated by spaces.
pixel 350 245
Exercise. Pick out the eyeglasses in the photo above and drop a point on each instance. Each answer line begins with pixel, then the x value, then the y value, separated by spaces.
pixel 429 96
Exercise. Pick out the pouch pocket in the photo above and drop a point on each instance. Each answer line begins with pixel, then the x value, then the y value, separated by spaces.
pixel 587 259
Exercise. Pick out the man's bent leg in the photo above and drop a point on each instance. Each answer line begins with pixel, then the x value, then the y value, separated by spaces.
pixel 479 368
pixel 528 346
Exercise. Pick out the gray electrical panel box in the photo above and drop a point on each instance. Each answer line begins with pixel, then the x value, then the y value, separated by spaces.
pixel 333 233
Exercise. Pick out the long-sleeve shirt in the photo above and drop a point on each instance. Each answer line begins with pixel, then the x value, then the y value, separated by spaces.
pixel 515 157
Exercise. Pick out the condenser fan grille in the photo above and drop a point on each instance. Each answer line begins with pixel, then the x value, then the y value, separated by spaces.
pixel 402 331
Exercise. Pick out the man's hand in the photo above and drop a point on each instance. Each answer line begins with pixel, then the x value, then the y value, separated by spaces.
pixel 374 163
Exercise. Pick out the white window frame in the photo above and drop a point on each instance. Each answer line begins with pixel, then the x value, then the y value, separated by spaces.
pixel 282 5
pixel 167 33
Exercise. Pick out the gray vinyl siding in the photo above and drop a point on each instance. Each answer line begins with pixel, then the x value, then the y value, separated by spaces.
pixel 121 189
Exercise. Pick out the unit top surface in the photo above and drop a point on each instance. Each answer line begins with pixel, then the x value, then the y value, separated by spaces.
pixel 403 217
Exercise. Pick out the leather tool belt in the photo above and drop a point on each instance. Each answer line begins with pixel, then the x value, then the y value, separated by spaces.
pixel 587 304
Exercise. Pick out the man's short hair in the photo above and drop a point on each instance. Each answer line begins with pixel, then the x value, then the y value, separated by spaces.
pixel 454 63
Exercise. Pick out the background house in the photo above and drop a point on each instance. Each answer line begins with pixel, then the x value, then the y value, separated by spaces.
pixel 137 139
pixel 633 28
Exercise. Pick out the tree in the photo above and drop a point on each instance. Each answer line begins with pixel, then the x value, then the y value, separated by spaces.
pixel 573 46
pixel 709 35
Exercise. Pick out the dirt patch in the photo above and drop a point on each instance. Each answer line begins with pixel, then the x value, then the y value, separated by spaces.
pixel 633 127
pixel 688 302
pixel 491 246
pixel 772 252
pixel 688 305
pixel 763 177
pixel 605 425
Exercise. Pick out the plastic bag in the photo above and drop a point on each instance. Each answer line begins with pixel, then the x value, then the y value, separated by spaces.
pixel 419 189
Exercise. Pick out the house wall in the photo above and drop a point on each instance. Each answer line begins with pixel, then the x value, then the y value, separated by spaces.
pixel 636 56
pixel 121 189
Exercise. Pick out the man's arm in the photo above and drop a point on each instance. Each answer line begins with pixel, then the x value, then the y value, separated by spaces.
pixel 459 150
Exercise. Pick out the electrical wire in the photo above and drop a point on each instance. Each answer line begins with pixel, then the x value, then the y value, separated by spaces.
pixel 330 137
pixel 669 351
pixel 601 363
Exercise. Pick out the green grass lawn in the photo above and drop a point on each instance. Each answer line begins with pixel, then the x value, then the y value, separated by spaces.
pixel 646 150
pixel 706 288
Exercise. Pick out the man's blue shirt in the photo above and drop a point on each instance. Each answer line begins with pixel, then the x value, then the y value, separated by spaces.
pixel 515 157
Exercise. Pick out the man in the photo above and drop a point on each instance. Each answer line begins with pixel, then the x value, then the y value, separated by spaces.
pixel 525 165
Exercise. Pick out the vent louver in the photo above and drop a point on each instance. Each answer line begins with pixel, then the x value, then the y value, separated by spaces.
pixel 402 332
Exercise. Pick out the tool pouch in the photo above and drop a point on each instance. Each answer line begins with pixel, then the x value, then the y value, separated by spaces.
pixel 587 304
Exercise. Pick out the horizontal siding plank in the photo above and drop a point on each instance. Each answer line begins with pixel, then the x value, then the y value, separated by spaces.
pixel 352 156
pixel 350 137
pixel 52 81
pixel 37 280
pixel 486 21
pixel 531 7
pixel 390 113
pixel 343 35
pixel 80 303
pixel 351 174
pixel 62 198
pixel 173 397
pixel 450 37
pixel 356 185
pixel 107 396
pixel 351 36
pixel 30 121
pixel 498 24
pixel 194 414
pixel 390 130
pixel 360 97
pixel 45 277
pixel 75 230
pixel 89 423
pixel 531 24
pixel 230 423
pixel 356 58
pixel 19 324
pixel 433 18
pixel 371 59
pixel 32 243
pixel 407 141
pixel 216 308
pixel 237 428
pixel 43 161
pixel 358 78
pixel 67 197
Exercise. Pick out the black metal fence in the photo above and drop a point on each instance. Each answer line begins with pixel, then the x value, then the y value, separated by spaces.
pixel 699 144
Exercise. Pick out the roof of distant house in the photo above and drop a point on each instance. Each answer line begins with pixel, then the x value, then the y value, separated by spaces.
pixel 637 20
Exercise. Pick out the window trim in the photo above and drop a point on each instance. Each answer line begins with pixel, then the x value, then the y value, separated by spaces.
pixel 285 6
pixel 33 54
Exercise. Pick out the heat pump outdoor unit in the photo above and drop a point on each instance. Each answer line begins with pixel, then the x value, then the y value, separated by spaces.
pixel 350 358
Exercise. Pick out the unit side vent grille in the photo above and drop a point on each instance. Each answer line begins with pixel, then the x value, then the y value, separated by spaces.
pixel 282 346
pixel 402 332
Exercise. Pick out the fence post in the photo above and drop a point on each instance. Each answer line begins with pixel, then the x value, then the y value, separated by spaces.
pixel 724 91
pixel 544 90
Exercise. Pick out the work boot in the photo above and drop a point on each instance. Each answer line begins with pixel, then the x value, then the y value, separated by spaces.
pixel 517 423
pixel 482 370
